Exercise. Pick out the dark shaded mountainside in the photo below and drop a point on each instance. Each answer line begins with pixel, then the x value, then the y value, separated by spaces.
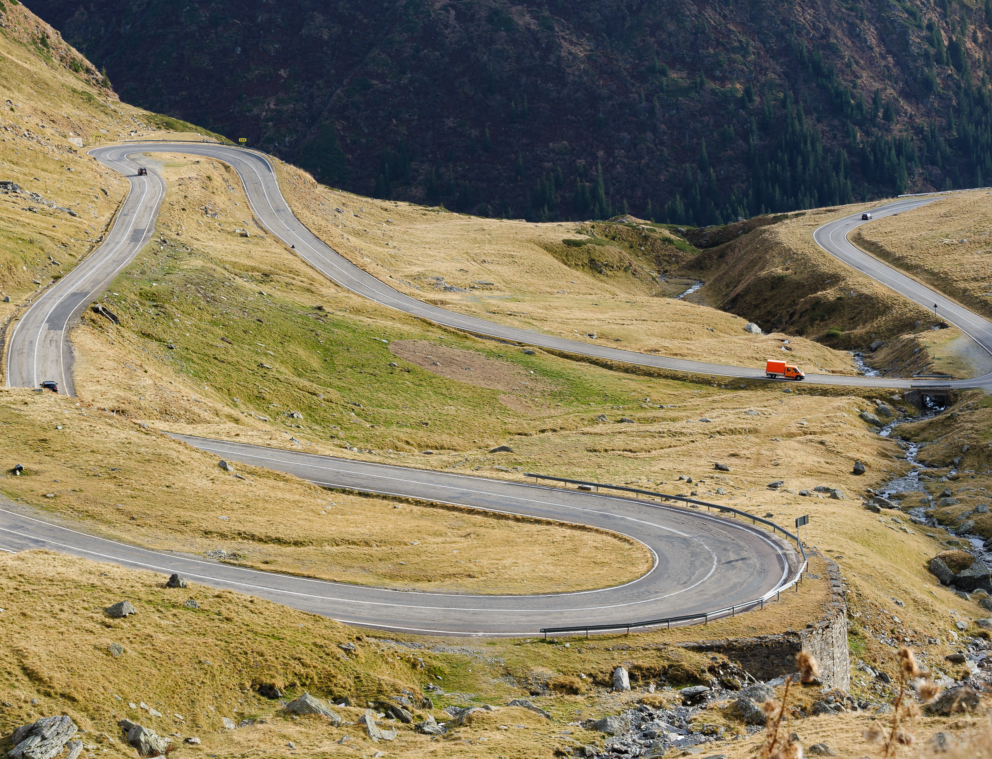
pixel 690 112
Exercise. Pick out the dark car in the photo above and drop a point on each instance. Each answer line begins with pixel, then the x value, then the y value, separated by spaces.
pixel 142 172
pixel 866 216
pixel 50 385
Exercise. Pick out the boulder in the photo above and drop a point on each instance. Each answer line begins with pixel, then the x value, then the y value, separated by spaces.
pixel 694 694
pixel 759 692
pixel 838 495
pixel 307 704
pixel 42 739
pixel 965 528
pixel 875 345
pixel 859 467
pixel 375 733
pixel 941 571
pixel 750 712
pixel 621 679
pixel 777 484
pixel 883 503
pixel 75 748
pixel 820 749
pixel 146 741
pixel 986 623
pixel 176 581
pixel 269 691
pixel 501 449
pixel 867 416
pixel 429 727
pixel 120 610
pixel 945 501
pixel 116 649
pixel 398 712
pixel 752 329
pixel 721 467
pixel 955 701
pixel 229 724
pixel 883 410
pixel 611 725
pixel 975 577
pixel 225 466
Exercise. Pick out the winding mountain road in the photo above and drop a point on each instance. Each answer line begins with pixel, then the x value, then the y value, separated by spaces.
pixel 701 562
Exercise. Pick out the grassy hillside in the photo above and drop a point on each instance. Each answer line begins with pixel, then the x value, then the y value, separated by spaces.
pixel 692 112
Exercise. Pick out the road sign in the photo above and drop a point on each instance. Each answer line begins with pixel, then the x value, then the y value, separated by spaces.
pixel 242 140
pixel 802 520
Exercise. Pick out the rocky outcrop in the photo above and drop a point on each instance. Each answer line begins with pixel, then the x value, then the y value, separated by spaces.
pixel 44 739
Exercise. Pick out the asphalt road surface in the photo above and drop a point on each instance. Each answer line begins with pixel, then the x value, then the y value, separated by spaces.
pixel 702 562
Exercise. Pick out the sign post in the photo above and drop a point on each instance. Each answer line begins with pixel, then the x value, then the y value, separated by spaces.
pixel 800 521
pixel 242 140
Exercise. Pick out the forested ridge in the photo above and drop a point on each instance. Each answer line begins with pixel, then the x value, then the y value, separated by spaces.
pixel 690 112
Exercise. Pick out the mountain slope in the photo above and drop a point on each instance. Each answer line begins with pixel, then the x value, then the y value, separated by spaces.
pixel 696 111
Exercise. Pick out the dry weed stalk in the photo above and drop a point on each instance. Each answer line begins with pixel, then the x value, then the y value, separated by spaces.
pixel 776 745
pixel 903 710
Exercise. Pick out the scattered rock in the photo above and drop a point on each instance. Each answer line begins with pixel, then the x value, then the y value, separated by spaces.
pixel 375 733
pixel 621 679
pixel 229 724
pixel 191 603
pixel 225 466
pixel 752 329
pixel 777 484
pixel 884 410
pixel 721 467
pixel 176 581
pixel 820 749
pixel 955 700
pixel 120 610
pixel 986 623
pixel 192 741
pixel 501 449
pixel 867 416
pixel 307 704
pixel 875 345
pixel 838 495
pixel 116 649
pixel 859 467
pixel 626 420
pixel 43 739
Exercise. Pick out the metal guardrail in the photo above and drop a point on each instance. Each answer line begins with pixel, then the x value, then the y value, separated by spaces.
pixel 705 616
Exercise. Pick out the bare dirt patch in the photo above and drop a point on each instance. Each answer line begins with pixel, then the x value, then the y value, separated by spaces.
pixel 470 366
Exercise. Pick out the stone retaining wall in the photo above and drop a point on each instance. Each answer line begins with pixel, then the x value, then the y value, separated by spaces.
pixel 769 656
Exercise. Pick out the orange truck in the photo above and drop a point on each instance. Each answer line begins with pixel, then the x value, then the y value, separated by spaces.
pixel 775 369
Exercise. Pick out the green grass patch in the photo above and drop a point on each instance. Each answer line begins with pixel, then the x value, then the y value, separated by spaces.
pixel 159 121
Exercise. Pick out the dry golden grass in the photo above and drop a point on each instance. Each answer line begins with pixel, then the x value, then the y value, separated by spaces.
pixel 945 244
pixel 120 480
pixel 522 275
